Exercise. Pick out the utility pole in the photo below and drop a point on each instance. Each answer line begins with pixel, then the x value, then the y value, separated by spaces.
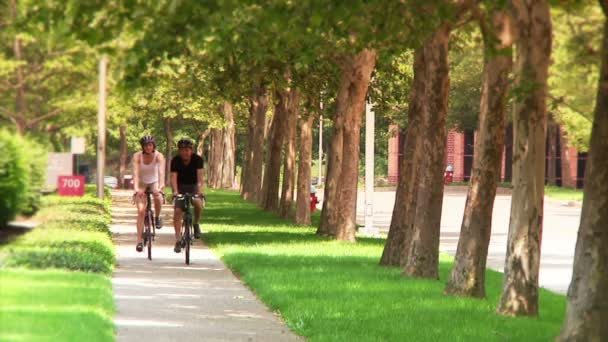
pixel 101 125
pixel 369 171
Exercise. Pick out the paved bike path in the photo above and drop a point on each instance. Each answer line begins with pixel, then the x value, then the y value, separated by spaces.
pixel 166 300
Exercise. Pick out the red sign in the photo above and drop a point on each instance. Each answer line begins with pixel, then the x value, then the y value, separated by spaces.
pixel 70 186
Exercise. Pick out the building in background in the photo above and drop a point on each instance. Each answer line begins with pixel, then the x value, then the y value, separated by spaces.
pixel 565 166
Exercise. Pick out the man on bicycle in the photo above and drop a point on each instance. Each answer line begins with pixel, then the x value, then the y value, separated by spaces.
pixel 186 177
pixel 148 175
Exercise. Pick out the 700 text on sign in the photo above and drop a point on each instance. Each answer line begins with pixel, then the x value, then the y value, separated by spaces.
pixel 70 186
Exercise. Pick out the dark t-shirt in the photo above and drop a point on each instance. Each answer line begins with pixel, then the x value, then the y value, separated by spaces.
pixel 186 174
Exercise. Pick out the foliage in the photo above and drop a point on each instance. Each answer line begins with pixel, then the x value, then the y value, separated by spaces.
pixel 36 166
pixel 14 176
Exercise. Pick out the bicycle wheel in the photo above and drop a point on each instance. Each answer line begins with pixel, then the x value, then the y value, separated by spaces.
pixel 187 238
pixel 148 234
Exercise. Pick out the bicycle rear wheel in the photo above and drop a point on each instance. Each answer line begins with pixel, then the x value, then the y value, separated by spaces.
pixel 148 234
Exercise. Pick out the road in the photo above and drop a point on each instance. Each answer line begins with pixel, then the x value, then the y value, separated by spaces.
pixel 559 233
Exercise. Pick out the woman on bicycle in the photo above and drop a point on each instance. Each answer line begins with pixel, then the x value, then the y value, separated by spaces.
pixel 148 175
pixel 186 177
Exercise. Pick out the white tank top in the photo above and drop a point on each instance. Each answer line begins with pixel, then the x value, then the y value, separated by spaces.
pixel 149 172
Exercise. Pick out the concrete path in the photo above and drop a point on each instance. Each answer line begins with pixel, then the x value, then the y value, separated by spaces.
pixel 166 300
pixel 560 228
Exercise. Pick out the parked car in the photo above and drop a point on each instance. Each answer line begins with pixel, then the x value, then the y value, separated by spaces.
pixel 110 181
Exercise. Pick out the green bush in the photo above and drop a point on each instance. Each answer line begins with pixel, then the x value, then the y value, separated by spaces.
pixel 91 190
pixel 36 163
pixel 14 178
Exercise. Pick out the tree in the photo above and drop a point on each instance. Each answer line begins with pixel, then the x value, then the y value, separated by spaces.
pixel 520 286
pixel 587 305
pixel 304 166
pixel 254 158
pixel 289 164
pixel 468 274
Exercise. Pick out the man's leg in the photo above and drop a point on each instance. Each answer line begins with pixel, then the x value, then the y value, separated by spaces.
pixel 177 225
pixel 198 206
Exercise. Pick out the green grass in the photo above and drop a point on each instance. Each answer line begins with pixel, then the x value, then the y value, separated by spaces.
pixel 331 291
pixel 560 193
pixel 54 305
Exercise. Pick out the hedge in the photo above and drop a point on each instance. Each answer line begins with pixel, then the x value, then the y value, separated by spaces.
pixel 74 234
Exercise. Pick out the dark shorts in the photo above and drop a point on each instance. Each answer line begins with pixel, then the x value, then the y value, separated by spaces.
pixel 184 188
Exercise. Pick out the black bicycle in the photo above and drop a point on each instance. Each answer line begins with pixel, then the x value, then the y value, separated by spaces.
pixel 149 224
pixel 187 222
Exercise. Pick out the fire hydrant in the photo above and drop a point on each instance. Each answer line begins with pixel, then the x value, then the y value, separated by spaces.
pixel 448 175
pixel 313 198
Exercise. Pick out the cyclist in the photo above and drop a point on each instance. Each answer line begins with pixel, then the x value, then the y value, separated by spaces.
pixel 148 175
pixel 186 177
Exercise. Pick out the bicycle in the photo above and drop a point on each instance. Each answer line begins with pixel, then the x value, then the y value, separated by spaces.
pixel 149 225
pixel 187 225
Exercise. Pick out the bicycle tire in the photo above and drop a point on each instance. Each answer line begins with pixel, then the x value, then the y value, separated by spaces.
pixel 149 236
pixel 187 238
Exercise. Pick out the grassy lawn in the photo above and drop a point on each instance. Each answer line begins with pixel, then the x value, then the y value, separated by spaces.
pixel 560 193
pixel 55 305
pixel 331 291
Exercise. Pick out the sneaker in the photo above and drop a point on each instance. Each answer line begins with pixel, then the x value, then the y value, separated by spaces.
pixel 178 247
pixel 139 247
pixel 197 231
pixel 159 223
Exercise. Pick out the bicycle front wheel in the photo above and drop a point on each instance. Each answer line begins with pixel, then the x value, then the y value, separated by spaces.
pixel 187 238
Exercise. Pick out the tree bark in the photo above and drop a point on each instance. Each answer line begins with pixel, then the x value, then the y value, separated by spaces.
pixel 587 308
pixel 201 145
pixel 304 171
pixel 327 225
pixel 468 274
pixel 356 76
pixel 229 148
pixel 168 149
pixel 216 158
pixel 123 155
pixel 289 164
pixel 272 170
pixel 20 100
pixel 520 286
pixel 399 234
pixel 423 251
pixel 257 148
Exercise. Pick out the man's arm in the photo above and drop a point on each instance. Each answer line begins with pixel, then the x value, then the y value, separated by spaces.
pixel 174 183
pixel 161 172
pixel 136 172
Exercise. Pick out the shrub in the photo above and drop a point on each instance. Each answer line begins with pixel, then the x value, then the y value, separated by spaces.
pixel 36 163
pixel 14 178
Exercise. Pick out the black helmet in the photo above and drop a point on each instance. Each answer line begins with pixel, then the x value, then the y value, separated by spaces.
pixel 147 139
pixel 185 142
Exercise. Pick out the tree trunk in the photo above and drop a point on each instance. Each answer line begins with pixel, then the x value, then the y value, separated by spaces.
pixel 304 171
pixel 423 251
pixel 216 158
pixel 399 234
pixel 20 100
pixel 468 274
pixel 123 155
pixel 327 225
pixel 200 149
pixel 520 286
pixel 289 165
pixel 254 159
pixel 587 308
pixel 229 148
pixel 168 149
pixel 356 76
pixel 272 171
